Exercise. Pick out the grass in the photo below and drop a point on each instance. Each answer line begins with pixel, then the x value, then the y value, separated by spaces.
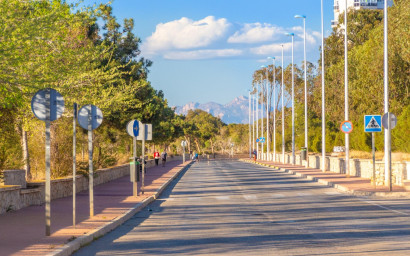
pixel 396 156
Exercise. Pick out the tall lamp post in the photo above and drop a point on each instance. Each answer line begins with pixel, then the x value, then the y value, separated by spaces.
pixel 387 132
pixel 253 118
pixel 257 119
pixel 293 104
pixel 250 140
pixel 304 55
pixel 262 94
pixel 283 113
pixel 274 106
pixel 346 98
pixel 323 97
pixel 267 114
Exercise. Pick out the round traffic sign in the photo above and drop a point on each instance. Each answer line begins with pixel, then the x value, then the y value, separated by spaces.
pixel 133 128
pixel 90 114
pixel 183 143
pixel 346 127
pixel 47 99
pixel 385 122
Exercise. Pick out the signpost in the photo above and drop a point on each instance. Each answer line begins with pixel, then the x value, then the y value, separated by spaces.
pixel 372 123
pixel 90 118
pixel 389 121
pixel 183 144
pixel 347 127
pixel 74 161
pixel 47 105
pixel 133 129
pixel 145 133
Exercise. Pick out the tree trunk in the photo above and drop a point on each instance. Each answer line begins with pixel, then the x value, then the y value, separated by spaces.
pixel 197 146
pixel 26 155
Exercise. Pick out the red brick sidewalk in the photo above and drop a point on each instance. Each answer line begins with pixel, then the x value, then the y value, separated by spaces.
pixel 23 232
pixel 351 184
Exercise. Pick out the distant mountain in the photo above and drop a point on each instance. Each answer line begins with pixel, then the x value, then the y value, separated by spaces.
pixel 235 111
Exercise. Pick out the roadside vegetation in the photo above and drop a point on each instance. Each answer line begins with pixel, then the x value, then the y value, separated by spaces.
pixel 53 44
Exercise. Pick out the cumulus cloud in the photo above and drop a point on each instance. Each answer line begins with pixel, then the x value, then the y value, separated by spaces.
pixel 186 39
pixel 185 34
pixel 256 33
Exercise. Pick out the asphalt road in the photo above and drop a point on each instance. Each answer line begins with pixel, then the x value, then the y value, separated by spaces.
pixel 236 208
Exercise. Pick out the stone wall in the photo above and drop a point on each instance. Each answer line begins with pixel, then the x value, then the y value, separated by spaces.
pixel 13 197
pixel 358 167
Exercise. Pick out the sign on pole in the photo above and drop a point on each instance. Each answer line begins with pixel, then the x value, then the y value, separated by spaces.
pixel 90 118
pixel 133 129
pixel 372 123
pixel 183 144
pixel 148 132
pixel 47 105
pixel 386 123
pixel 346 127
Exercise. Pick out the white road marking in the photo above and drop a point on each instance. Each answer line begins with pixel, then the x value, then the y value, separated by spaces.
pixel 223 197
pixel 278 195
pixel 250 197
pixel 332 193
pixel 386 208
pixel 304 194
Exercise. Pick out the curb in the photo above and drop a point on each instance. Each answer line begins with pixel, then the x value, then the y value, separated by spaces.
pixel 336 186
pixel 77 243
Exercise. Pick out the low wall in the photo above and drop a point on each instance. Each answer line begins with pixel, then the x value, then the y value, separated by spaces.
pixel 358 167
pixel 13 197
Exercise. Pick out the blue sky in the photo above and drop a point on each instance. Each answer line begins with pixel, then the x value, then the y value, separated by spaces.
pixel 207 50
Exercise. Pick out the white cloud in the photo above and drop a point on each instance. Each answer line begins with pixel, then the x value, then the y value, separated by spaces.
pixel 271 49
pixel 212 38
pixel 202 54
pixel 256 33
pixel 185 34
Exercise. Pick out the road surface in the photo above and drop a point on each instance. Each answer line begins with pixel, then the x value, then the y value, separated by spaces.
pixel 236 208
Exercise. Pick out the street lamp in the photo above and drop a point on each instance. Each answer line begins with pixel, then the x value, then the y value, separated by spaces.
pixel 346 98
pixel 323 98
pixel 257 119
pixel 250 140
pixel 283 113
pixel 304 53
pixel 263 91
pixel 387 132
pixel 293 105
pixel 274 106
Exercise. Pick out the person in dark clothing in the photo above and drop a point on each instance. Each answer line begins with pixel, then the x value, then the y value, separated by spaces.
pixel 164 158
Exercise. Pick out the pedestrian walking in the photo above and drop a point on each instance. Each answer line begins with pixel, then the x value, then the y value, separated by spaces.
pixel 164 158
pixel 156 157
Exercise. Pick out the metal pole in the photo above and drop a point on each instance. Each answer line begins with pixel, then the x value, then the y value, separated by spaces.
pixel 143 158
pixel 283 113
pixel 346 98
pixel 262 94
pixel 183 156
pixel 293 111
pixel 306 92
pixel 250 140
pixel 74 161
pixel 48 183
pixel 267 116
pixel 90 162
pixel 374 160
pixel 134 159
pixel 274 110
pixel 387 132
pixel 323 99
pixel 253 123
pixel 257 120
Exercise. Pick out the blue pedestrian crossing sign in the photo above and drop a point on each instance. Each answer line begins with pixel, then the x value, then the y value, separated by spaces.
pixel 372 123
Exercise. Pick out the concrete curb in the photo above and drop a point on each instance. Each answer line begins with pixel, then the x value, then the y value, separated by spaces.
pixel 337 186
pixel 77 243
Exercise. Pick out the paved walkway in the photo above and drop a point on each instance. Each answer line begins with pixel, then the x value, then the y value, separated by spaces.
pixel 23 232
pixel 351 184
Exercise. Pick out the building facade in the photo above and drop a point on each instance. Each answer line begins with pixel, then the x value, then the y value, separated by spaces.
pixel 340 6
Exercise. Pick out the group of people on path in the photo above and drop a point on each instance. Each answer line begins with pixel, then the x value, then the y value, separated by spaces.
pixel 163 158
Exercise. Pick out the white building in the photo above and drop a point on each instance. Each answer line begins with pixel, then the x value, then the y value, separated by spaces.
pixel 339 6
